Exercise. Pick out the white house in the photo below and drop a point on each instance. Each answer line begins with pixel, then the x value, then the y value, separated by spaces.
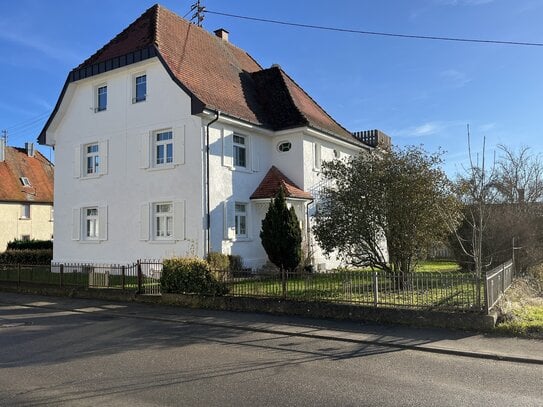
pixel 170 140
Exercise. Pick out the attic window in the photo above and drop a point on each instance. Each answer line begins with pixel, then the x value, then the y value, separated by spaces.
pixel 337 154
pixel 284 146
pixel 25 182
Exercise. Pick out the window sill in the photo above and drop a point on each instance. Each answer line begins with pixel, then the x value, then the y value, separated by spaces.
pixel 242 169
pixel 92 176
pixel 243 239
pixel 24 219
pixel 90 241
pixel 96 110
pixel 165 241
pixel 162 167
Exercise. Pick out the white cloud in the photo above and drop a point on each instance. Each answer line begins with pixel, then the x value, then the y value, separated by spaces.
pixel 422 130
pixel 486 127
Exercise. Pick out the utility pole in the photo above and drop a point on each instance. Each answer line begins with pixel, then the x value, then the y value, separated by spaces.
pixel 5 137
pixel 198 13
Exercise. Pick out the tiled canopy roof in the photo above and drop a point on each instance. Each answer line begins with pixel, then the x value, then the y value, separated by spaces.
pixel 274 179
pixel 37 169
pixel 217 74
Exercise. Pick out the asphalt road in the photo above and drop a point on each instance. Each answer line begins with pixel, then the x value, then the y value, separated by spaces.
pixel 51 357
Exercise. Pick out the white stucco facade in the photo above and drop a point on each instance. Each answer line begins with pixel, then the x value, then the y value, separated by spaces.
pixel 112 215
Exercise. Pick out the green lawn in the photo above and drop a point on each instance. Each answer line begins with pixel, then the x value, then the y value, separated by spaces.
pixel 526 321
pixel 437 265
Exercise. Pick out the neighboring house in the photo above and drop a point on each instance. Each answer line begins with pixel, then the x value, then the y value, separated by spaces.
pixel 26 195
pixel 170 141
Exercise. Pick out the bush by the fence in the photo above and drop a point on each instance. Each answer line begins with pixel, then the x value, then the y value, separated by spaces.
pixel 218 261
pixel 236 262
pixel 30 245
pixel 190 276
pixel 43 256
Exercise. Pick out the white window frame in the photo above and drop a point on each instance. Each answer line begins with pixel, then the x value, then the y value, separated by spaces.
pixel 25 211
pixel 135 78
pixel 166 219
pixel 26 182
pixel 284 142
pixel 239 215
pixel 97 94
pixel 317 160
pixel 94 156
pixel 164 144
pixel 237 146
pixel 91 232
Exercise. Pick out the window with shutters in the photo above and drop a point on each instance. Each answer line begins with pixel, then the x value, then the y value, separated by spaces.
pixel 163 220
pixel 163 148
pixel 240 151
pixel 92 159
pixel 240 218
pixel 91 223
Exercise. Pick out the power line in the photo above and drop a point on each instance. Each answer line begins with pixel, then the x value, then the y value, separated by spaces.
pixel 377 33
pixel 30 120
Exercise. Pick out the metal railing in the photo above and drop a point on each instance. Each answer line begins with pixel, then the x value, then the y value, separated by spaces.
pixel 497 281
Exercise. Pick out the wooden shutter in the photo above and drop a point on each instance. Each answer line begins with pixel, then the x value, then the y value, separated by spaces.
pixel 179 220
pixel 145 151
pixel 179 145
pixel 76 224
pixel 102 223
pixel 317 156
pixel 255 154
pixel 103 149
pixel 144 221
pixel 227 148
pixel 229 230
pixel 77 162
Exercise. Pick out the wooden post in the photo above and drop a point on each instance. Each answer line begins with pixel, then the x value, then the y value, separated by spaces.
pixel 140 278
pixel 62 275
pixel 375 278
pixel 123 276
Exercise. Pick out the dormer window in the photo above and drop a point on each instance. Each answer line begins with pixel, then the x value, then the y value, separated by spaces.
pixel 25 181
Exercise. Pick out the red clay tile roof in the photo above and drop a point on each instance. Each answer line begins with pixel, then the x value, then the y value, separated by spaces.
pixel 37 169
pixel 269 187
pixel 217 74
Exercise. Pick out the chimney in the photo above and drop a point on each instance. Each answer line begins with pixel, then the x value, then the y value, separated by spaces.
pixel 29 147
pixel 222 34
pixel 374 138
pixel 2 149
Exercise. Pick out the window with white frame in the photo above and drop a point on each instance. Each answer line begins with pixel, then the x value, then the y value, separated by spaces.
pixel 92 159
pixel 25 181
pixel 90 223
pixel 163 220
pixel 163 148
pixel 240 151
pixel 140 88
pixel 101 98
pixel 240 217
pixel 25 211
pixel 316 156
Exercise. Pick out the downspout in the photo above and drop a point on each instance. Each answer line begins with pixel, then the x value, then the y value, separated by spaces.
pixel 308 231
pixel 208 204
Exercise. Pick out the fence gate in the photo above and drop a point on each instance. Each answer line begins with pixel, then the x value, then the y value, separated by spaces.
pixel 149 273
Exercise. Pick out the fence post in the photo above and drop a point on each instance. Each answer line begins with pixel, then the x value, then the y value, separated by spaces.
pixel 485 290
pixel 140 277
pixel 375 278
pixel 62 275
pixel 18 275
pixel 503 278
pixel 123 276
pixel 283 282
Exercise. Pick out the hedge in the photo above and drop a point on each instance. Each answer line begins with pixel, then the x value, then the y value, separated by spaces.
pixel 30 245
pixel 41 257
pixel 190 276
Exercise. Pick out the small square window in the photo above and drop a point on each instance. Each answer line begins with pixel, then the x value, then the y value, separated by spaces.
pixel 25 238
pixel 101 98
pixel 26 182
pixel 240 151
pixel 163 148
pixel 25 211
pixel 240 214
pixel 140 88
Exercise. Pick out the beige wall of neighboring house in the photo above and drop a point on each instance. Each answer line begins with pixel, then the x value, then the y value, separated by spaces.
pixel 14 224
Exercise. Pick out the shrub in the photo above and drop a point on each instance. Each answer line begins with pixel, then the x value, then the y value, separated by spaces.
pixel 190 275
pixel 235 262
pixel 30 245
pixel 43 256
pixel 218 261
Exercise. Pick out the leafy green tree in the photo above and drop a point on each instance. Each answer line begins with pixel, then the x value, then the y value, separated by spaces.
pixel 380 202
pixel 281 235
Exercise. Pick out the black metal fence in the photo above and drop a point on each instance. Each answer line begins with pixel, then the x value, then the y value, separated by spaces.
pixel 453 291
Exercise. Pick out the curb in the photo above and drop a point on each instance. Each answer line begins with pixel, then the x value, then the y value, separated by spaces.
pixel 388 344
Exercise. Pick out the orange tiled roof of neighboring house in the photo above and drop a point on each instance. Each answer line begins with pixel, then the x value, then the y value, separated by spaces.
pixel 271 183
pixel 37 169
pixel 215 73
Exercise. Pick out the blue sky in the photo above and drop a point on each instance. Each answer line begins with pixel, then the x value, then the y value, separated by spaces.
pixel 419 92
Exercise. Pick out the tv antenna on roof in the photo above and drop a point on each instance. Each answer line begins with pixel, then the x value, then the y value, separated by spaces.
pixel 198 13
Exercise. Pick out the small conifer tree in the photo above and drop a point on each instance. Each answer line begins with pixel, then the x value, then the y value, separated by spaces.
pixel 281 235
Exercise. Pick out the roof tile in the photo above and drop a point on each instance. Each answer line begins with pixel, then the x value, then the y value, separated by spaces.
pixel 273 180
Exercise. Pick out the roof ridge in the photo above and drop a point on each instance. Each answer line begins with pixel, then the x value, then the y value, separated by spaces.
pixel 314 101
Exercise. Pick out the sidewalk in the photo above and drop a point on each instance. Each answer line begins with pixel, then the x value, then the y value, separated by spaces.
pixel 434 340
